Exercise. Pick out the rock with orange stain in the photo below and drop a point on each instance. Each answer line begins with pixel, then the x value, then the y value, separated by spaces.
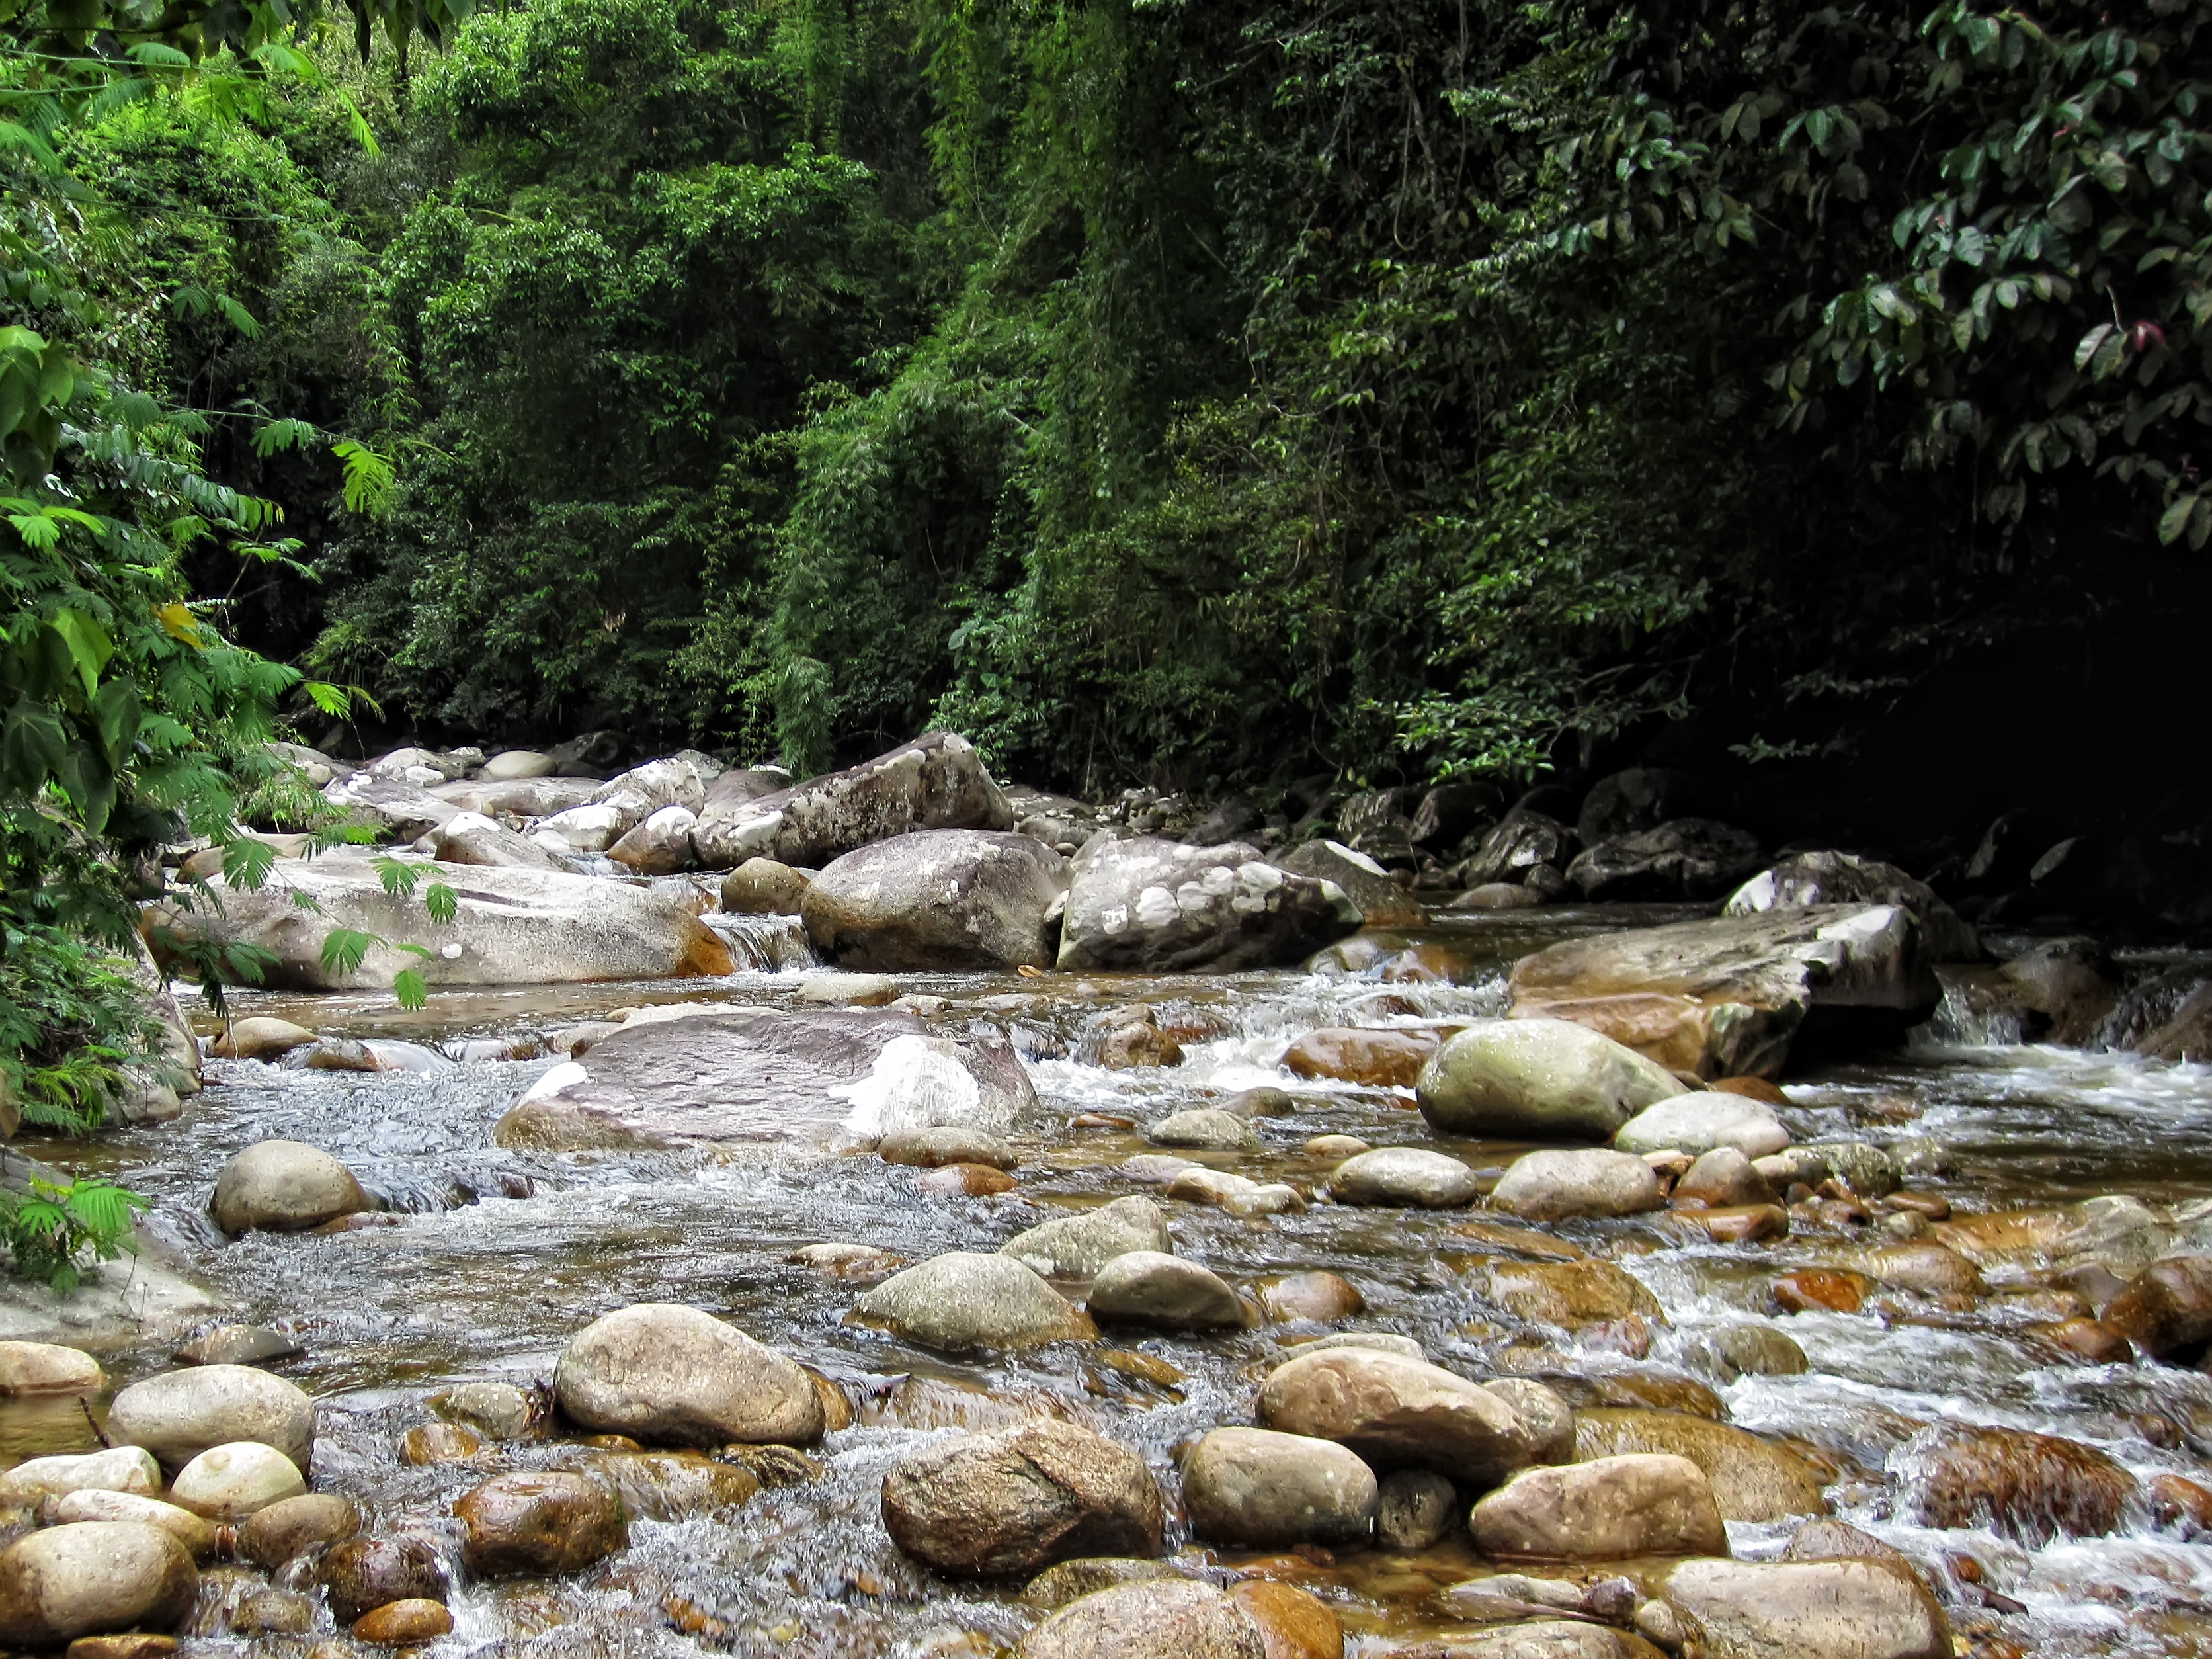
pixel 404 1624
pixel 972 1181
pixel 1383 1059
pixel 1292 1624
pixel 1820 1290
pixel 1739 1223
pixel 2090 1341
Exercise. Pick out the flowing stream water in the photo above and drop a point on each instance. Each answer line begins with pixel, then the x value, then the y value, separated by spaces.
pixel 498 1256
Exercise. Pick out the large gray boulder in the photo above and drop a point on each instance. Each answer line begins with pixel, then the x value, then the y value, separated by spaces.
pixel 964 1300
pixel 1258 1489
pixel 644 791
pixel 1722 998
pixel 1523 841
pixel 805 1080
pixel 1808 879
pixel 1153 906
pixel 936 782
pixel 1854 1608
pixel 668 1375
pixel 470 837
pixel 1682 858
pixel 1538 1080
pixel 1398 1412
pixel 996 1505
pixel 180 1414
pixel 396 809
pixel 940 899
pixel 91 1576
pixel 510 927
pixel 528 797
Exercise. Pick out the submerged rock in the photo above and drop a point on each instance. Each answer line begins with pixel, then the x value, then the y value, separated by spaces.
pixel 797 1080
pixel 1723 998
pixel 995 1505
pixel 1149 905
pixel 362 1573
pixel 510 927
pixel 938 900
pixel 2030 1488
pixel 1538 1079
pixel 665 1374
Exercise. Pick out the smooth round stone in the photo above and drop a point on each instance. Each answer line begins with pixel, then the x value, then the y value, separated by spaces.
pixel 497 1410
pixel 363 1574
pixel 1384 1342
pixel 439 1442
pixel 1538 1080
pixel 195 1534
pixel 964 1300
pixel 1556 1185
pixel 88 1577
pixel 933 1148
pixel 180 1414
pixel 1056 1586
pixel 1339 1147
pixel 664 1373
pixel 1150 1287
pixel 261 1038
pixel 1607 1510
pixel 1320 1296
pixel 290 1528
pixel 228 1483
pixel 1206 1127
pixel 1261 1489
pixel 532 1523
pixel 993 1505
pixel 237 1345
pixel 1844 1609
pixel 967 1180
pixel 404 1624
pixel 1406 1176
pixel 1699 1122
pixel 1737 1350
pixel 284 1186
pixel 119 1469
pixel 1415 1509
pixel 1261 1102
pixel 46 1368
pixel 1077 1247
pixel 1165 1618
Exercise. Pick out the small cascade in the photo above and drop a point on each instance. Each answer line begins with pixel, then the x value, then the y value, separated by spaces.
pixel 765 944
pixel 1965 1017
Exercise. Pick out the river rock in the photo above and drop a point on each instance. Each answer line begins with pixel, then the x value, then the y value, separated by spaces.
pixel 2166 1311
pixel 1521 841
pixel 947 1143
pixel 1321 1297
pixel 1205 1127
pixel 1556 1185
pixel 470 837
pixel 1722 998
pixel 396 809
pixel 535 1523
pixel 1398 1412
pixel 762 887
pixel 1256 1488
pixel 1077 1247
pixel 497 1410
pixel 643 791
pixel 1932 1269
pixel 1570 1293
pixel 995 1505
pixel 1721 1179
pixel 1602 1509
pixel 511 766
pixel 665 1374
pixel 1147 905
pixel 427 1443
pixel 1737 1350
pixel 936 782
pixel 92 1575
pixel 1380 900
pixel 237 1345
pixel 1409 1176
pixel 659 844
pixel 510 927
pixel 1681 858
pixel 362 1573
pixel 118 1469
pixel 797 1080
pixel 1415 1509
pixel 407 1624
pixel 1057 1586
pixel 283 1187
pixel 940 899
pixel 1702 1121
pixel 2031 1487
pixel 1379 1058
pixel 259 1037
pixel 195 1533
pixel 1807 879
pixel 583 828
pixel 1150 1287
pixel 1751 1479
pixel 1846 1609
pixel 964 1300
pixel 290 1528
pixel 1165 1618
pixel 675 1485
pixel 228 1483
pixel 1538 1079
pixel 180 1414
pixel 46 1367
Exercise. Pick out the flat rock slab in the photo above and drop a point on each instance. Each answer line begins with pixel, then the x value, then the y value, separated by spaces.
pixel 1723 998
pixel 804 1080
pixel 510 927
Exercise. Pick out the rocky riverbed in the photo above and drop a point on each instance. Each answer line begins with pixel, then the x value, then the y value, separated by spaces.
pixel 1085 1308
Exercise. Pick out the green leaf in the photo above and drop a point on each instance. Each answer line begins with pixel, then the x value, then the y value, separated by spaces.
pixel 2175 519
pixel 344 949
pixel 397 876
pixel 409 987
pixel 441 902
